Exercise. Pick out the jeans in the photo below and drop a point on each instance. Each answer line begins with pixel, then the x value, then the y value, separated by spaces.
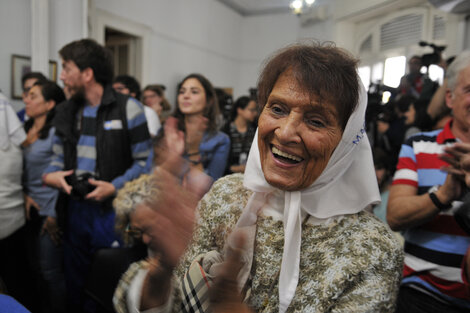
pixel 51 267
pixel 89 228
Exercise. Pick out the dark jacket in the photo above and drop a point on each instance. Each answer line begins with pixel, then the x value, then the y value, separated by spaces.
pixel 113 147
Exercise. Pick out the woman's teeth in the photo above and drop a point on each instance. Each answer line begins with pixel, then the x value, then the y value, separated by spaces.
pixel 286 155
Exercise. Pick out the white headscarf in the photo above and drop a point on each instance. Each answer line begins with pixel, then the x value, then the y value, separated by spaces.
pixel 347 185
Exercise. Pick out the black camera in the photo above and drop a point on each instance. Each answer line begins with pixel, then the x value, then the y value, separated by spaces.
pixel 80 185
pixel 434 57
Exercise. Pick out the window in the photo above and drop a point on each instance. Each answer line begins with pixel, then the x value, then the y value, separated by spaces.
pixel 377 72
pixel 364 74
pixel 394 70
pixel 436 73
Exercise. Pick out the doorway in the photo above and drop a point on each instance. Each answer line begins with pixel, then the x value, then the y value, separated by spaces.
pixel 124 48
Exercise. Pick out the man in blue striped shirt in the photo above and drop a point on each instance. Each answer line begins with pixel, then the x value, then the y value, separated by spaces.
pixel 101 140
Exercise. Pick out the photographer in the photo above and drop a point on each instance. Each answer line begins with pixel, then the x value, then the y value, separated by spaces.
pixel 101 142
pixel 415 83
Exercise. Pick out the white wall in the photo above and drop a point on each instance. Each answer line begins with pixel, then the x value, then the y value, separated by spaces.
pixel 15 38
pixel 261 36
pixel 15 34
pixel 186 36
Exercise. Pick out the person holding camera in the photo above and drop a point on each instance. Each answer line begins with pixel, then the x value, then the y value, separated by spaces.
pixel 101 142
pixel 424 201
pixel 415 83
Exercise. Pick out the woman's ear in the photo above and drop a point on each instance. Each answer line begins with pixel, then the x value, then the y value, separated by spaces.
pixel 50 104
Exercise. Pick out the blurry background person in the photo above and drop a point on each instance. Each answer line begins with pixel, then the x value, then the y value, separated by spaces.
pixel 241 130
pixel 27 81
pixel 422 203
pixel 383 173
pixel 417 84
pixel 197 113
pixel 40 107
pixel 128 85
pixel 407 110
pixel 130 215
pixel 13 261
pixel 153 96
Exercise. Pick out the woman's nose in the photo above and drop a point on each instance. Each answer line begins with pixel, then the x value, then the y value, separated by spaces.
pixel 288 130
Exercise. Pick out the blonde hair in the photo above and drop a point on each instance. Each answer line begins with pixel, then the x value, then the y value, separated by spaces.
pixel 132 194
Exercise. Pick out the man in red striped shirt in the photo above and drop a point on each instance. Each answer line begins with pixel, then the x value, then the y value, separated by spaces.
pixel 422 203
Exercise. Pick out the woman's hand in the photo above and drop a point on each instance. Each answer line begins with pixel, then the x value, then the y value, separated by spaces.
pixel 28 204
pixel 50 227
pixel 195 128
pixel 224 294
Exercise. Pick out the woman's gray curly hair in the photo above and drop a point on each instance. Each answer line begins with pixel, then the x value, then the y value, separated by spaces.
pixel 133 193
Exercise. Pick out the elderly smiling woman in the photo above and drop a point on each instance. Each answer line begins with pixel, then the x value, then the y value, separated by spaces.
pixel 304 241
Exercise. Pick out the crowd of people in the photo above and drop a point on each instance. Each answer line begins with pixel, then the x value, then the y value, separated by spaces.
pixel 269 210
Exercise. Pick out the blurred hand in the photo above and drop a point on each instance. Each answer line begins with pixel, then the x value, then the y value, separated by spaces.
pixel 103 190
pixel 458 157
pixel 224 294
pixel 50 227
pixel 181 188
pixel 195 128
pixel 57 180
pixel 29 204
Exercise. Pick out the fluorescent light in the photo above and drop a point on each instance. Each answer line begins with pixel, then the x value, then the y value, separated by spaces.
pixel 296 4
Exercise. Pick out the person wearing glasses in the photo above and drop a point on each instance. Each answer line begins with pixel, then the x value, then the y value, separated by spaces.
pixel 27 81
pixel 241 130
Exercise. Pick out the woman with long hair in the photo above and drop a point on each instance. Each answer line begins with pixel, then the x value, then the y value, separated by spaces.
pixel 197 112
pixel 241 130
pixel 37 152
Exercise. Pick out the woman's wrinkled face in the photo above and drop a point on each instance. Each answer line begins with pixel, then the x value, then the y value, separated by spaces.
pixel 35 105
pixel 141 222
pixel 192 97
pixel 296 135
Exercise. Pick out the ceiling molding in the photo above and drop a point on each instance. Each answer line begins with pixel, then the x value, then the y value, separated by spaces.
pixel 253 9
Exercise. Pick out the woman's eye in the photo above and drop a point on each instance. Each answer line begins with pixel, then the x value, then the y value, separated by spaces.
pixel 316 122
pixel 277 109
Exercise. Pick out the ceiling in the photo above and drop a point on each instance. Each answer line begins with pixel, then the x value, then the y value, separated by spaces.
pixel 258 7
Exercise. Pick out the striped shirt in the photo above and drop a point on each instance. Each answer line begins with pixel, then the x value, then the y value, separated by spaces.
pixel 434 251
pixel 86 147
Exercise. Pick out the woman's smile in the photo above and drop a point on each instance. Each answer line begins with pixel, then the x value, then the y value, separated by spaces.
pixel 285 158
pixel 296 135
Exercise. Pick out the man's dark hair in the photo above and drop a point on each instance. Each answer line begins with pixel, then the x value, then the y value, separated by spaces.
pixel 87 53
pixel 130 82
pixel 37 75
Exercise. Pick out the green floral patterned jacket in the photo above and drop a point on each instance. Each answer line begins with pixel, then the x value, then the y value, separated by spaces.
pixel 351 264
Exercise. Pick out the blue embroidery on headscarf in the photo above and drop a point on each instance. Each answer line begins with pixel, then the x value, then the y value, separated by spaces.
pixel 361 134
